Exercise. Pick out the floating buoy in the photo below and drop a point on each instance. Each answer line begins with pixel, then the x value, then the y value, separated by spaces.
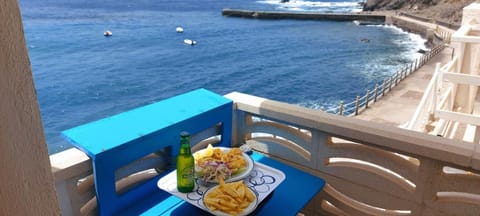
pixel 189 42
pixel 179 29
pixel 107 33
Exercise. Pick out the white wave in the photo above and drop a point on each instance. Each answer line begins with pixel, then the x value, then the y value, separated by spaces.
pixel 356 10
pixel 324 105
pixel 291 8
pixel 295 9
pixel 313 5
pixel 413 41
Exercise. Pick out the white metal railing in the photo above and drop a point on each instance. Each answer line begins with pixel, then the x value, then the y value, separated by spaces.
pixel 438 101
pixel 426 105
pixel 435 97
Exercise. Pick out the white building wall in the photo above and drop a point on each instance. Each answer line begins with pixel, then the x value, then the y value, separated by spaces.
pixel 471 12
pixel 26 180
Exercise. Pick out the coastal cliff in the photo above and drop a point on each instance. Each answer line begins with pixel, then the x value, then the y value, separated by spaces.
pixel 449 11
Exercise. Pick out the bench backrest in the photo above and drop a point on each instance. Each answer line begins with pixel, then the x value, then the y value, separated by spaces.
pixel 116 141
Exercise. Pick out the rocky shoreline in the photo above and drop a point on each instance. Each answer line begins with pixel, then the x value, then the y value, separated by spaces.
pixel 444 11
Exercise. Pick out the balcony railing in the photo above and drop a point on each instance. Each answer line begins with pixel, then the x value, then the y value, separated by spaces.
pixel 370 169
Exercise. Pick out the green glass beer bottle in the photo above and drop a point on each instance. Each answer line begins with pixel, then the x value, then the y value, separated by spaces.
pixel 185 165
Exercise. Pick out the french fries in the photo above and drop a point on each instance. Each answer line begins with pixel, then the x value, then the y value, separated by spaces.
pixel 231 198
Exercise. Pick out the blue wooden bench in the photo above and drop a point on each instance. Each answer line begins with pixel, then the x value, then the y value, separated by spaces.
pixel 119 140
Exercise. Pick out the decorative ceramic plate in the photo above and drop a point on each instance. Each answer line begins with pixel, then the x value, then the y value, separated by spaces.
pixel 235 177
pixel 249 209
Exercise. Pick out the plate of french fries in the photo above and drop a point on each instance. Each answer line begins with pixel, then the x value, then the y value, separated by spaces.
pixel 230 164
pixel 234 198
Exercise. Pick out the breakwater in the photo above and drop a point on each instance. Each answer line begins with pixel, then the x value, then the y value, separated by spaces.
pixel 303 15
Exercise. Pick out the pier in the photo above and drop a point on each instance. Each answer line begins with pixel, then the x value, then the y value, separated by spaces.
pixel 377 18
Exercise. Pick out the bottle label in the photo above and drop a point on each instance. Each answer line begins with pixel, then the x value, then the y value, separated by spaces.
pixel 186 176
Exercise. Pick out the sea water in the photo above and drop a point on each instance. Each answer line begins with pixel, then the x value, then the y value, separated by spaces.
pixel 81 76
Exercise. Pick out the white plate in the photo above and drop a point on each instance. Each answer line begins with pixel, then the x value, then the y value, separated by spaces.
pixel 238 176
pixel 250 208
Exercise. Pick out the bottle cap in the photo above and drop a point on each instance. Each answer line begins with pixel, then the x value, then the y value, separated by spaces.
pixel 184 134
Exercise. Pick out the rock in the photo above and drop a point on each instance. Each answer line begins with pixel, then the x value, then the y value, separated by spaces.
pixel 371 5
pixel 449 11
pixel 365 40
pixel 422 51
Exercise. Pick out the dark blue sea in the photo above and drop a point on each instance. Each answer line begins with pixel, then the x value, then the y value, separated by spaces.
pixel 82 76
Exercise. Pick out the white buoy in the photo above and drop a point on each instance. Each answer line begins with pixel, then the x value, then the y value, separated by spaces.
pixel 107 33
pixel 189 42
pixel 179 30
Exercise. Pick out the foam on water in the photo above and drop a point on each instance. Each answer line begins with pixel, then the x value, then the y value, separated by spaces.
pixel 376 68
pixel 300 5
pixel 414 42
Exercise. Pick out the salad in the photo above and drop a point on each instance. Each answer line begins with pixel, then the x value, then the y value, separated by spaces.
pixel 213 163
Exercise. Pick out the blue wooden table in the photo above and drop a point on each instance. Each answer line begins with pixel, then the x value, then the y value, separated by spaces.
pixel 288 198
